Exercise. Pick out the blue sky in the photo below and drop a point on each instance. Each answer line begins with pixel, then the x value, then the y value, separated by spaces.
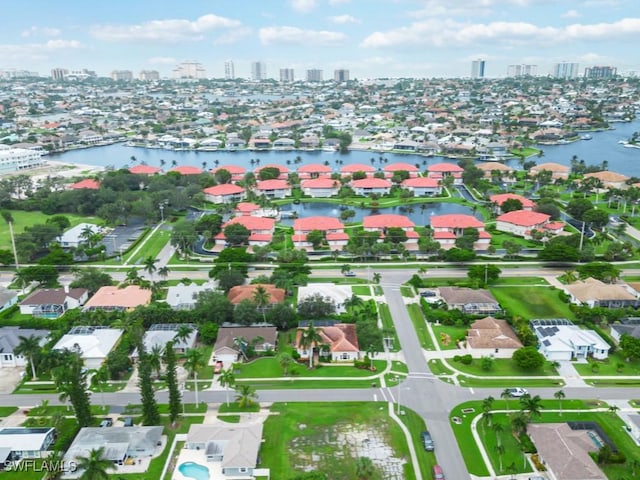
pixel 371 38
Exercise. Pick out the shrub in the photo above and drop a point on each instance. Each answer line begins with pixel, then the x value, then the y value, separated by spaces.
pixel 535 458
pixel 526 444
pixel 466 359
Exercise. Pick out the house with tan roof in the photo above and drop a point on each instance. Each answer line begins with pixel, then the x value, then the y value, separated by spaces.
pixel 505 173
pixel 594 293
pixel 52 303
pixel 231 341
pixel 558 172
pixel 339 341
pixel 246 292
pixel 469 300
pixel 112 298
pixel 490 336
pixel 610 179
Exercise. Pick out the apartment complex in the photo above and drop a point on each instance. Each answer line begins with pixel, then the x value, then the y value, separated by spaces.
pixel 522 70
pixel 229 70
pixel 17 159
pixel 286 75
pixel 122 75
pixel 149 75
pixel 189 69
pixel 600 72
pixel 341 75
pixel 565 70
pixel 258 71
pixel 477 68
pixel 314 75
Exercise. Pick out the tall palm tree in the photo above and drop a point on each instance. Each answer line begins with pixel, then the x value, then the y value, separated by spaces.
pixel 500 451
pixel 519 423
pixel 94 466
pixel 6 215
pixel 98 379
pixel 245 396
pixel 506 395
pixel 498 428
pixel 227 379
pixel 310 338
pixel 163 272
pixel 194 359
pixel 29 347
pixel 150 265
pixel 531 405
pixel 183 333
pixel 559 395
pixel 261 298
pixel 154 357
pixel 376 277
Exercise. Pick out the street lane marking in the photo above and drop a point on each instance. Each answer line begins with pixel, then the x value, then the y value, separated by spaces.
pixel 383 395
pixel 471 390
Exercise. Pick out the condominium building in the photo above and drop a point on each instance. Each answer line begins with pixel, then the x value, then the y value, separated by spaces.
pixel 286 75
pixel 59 73
pixel 229 70
pixel 149 75
pixel 565 70
pixel 341 75
pixel 314 75
pixel 193 70
pixel 258 71
pixel 17 159
pixel 477 68
pixel 123 75
pixel 522 70
pixel 600 72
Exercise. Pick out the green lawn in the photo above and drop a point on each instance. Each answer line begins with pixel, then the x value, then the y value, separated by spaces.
pixel 153 244
pixel 447 336
pixel 420 326
pixel 438 368
pixel 268 367
pixel 502 367
pixel 387 324
pixel 288 447
pixel 407 291
pixel 614 365
pixel 529 303
pixel 298 384
pixel 22 219
pixel 361 290
pixel 505 382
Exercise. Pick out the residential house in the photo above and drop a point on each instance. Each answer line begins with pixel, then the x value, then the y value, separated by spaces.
pixel 237 172
pixel 522 223
pixel 559 339
pixel 112 298
pixel 235 143
pixel 246 292
pixel 500 198
pixel 468 300
pixel 86 184
pixel 187 170
pixel 144 170
pixel 338 341
pixel 94 343
pixel 10 339
pixel 381 223
pixel 504 173
pixel 8 298
pixel 349 170
pixel 273 188
pixel 390 169
pixel 629 326
pixel 284 144
pixel 610 179
pixel 17 443
pixel 490 336
pixel 368 186
pixel 558 172
pixel 184 297
pixel 247 209
pixel 314 170
pixel 75 236
pixel 232 340
pixel 446 228
pixel 159 334
pixel 229 451
pixel 332 228
pixel 440 171
pixel 224 193
pixel 320 187
pixel 261 229
pixel 53 302
pixel 120 445
pixel 422 186
pixel 594 293
pixel 284 171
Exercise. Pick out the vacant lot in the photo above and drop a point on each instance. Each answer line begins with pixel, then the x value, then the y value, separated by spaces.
pixel 532 302
pixel 23 219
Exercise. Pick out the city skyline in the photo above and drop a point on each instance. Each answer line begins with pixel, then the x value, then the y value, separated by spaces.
pixel 404 38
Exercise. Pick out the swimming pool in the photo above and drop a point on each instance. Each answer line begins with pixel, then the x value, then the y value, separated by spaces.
pixel 194 470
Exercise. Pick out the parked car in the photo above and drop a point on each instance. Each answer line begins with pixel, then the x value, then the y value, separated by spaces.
pixel 517 392
pixel 128 422
pixel 218 367
pixel 428 293
pixel 437 472
pixel 349 274
pixel 427 441
pixel 106 422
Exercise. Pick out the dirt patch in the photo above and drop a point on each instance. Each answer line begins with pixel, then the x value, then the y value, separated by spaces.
pixel 445 339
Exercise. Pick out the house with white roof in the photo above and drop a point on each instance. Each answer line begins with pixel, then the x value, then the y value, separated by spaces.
pixel 159 334
pixel 17 443
pixel 184 297
pixel 77 235
pixel 10 339
pixel 94 343
pixel 559 339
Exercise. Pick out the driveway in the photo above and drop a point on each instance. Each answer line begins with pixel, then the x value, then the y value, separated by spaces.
pixel 9 378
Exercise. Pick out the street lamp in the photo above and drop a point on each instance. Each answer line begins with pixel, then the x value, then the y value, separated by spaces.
pixel 161 205
pixel 399 391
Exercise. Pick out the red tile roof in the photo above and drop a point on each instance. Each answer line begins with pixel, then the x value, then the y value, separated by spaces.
pixel 340 337
pixel 260 237
pixel 245 292
pixel 420 182
pixel 247 207
pixel 87 183
pixel 253 223
pixel 317 223
pixel 187 170
pixel 319 183
pixel 554 226
pixel 371 183
pixel 273 185
pixel 232 169
pixel 524 218
pixel 445 167
pixel 223 189
pixel 455 221
pixel 144 170
pixel 334 237
pixel 357 167
pixel 394 167
pixel 387 220
pixel 500 198
pixel 128 297
pixel 314 168
pixel 444 235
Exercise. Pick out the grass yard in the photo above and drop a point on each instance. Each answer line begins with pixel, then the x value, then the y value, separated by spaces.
pixel 503 367
pixel 438 368
pixel 22 219
pixel 614 365
pixel 326 437
pixel 447 336
pixel 529 303
pixel 420 326
pixel 310 384
pixel 152 246
pixel 407 291
pixel 361 290
pixel 506 382
pixel 387 324
pixel 268 367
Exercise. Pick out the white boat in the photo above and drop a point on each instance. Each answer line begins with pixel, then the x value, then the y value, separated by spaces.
pixel 586 137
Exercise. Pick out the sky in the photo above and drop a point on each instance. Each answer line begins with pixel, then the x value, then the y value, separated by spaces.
pixel 370 38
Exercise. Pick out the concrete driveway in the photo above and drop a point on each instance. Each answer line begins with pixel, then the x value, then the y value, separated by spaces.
pixel 9 378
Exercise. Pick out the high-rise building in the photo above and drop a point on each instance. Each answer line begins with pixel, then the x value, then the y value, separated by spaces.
pixel 600 72
pixel 80 74
pixel 149 75
pixel 189 69
pixel 341 75
pixel 59 73
pixel 477 68
pixel 314 75
pixel 258 71
pixel 124 75
pixel 286 75
pixel 229 70
pixel 17 159
pixel 522 70
pixel 565 70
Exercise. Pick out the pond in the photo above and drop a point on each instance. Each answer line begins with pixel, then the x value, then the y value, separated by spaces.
pixel 416 213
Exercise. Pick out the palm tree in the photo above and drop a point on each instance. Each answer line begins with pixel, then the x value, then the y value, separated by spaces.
pixel 531 405
pixel 613 409
pixel 498 429
pixel 506 395
pixel 285 360
pixel 94 466
pixel 29 347
pixel 487 406
pixel 559 395
pixel 154 357
pixel 519 423
pixel 6 215
pixel 194 359
pixel 261 298
pixel 227 379
pixel 376 277
pixel 365 469
pixel 309 338
pixel 132 276
pixel 98 379
pixel 54 464
pixel 150 265
pixel 245 395
pixel 163 272
pixel 183 333
pixel 500 451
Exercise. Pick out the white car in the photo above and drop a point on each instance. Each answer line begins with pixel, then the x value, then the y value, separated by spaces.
pixel 517 392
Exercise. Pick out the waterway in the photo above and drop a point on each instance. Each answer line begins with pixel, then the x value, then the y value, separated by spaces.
pixel 603 146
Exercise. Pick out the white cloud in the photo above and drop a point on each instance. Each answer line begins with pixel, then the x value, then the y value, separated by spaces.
pixel 169 31
pixel 343 19
pixel 162 61
pixel 437 8
pixel 571 14
pixel 303 6
pixel 440 33
pixel 37 51
pixel 43 31
pixel 232 36
pixel 297 36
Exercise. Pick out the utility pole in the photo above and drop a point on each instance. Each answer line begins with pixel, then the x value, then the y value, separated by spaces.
pixel 581 236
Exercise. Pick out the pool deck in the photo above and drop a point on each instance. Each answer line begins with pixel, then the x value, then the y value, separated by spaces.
pixel 197 456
